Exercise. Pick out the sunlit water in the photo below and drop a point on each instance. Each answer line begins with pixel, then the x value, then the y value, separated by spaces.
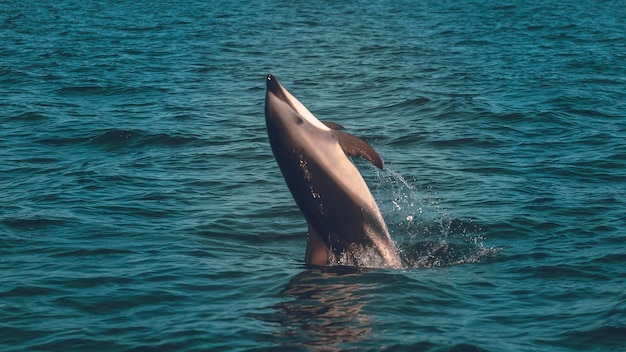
pixel 142 208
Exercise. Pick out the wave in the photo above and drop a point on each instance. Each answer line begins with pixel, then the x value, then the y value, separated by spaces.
pixel 31 223
pixel 412 102
pixel 92 252
pixel 81 90
pixel 118 138
pixel 29 291
pixel 41 161
pixel 466 142
pixel 30 116
pixel 608 337
pixel 613 258
pixel 564 271
pixel 108 90
pixel 430 346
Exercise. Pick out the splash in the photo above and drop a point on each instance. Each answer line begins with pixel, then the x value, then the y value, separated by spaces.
pixel 426 234
pixel 360 257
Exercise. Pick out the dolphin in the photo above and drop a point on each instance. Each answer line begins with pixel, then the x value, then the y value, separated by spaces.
pixel 344 223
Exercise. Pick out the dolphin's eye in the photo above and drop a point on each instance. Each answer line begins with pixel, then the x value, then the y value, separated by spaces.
pixel 299 121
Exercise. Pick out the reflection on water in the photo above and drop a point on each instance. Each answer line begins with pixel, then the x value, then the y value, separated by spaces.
pixel 323 308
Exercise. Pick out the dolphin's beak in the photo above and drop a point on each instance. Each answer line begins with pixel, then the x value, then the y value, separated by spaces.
pixel 272 84
pixel 277 90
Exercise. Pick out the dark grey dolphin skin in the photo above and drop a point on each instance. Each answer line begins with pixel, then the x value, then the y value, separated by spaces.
pixel 343 218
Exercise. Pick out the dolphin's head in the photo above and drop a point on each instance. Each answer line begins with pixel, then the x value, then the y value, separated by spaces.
pixel 291 126
pixel 285 115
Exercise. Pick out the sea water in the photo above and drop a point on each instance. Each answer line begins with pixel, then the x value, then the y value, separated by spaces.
pixel 142 209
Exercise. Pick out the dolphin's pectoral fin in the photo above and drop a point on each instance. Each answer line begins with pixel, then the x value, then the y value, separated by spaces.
pixel 332 125
pixel 354 146
pixel 317 252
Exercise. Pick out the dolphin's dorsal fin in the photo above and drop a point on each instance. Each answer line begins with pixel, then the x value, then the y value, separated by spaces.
pixel 355 146
pixel 332 125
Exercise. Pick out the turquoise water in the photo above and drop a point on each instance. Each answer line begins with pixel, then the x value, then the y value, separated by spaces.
pixel 142 209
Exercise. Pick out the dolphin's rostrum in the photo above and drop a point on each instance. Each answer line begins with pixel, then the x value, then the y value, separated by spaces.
pixel 345 224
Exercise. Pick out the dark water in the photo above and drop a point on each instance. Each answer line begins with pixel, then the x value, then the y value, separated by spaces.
pixel 142 209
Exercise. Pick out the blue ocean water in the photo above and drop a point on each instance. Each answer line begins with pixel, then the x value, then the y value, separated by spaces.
pixel 142 209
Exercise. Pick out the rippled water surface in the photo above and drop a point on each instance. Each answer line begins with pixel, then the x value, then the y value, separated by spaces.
pixel 142 208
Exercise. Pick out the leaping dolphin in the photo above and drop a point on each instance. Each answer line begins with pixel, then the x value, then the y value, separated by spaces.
pixel 342 215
